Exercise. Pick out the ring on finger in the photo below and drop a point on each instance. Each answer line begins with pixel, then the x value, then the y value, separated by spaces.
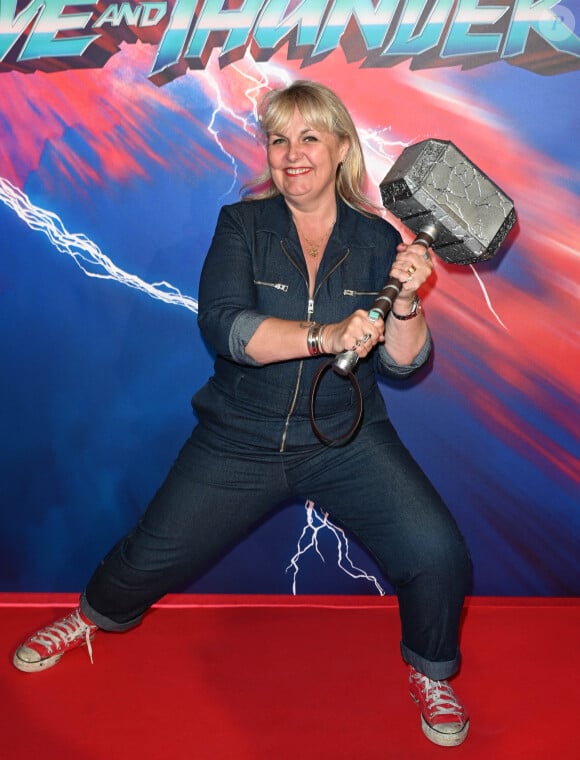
pixel 411 270
pixel 362 340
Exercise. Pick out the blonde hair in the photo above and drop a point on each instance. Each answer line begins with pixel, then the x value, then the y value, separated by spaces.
pixel 321 109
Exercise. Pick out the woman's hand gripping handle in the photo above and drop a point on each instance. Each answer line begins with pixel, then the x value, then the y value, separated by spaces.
pixel 345 362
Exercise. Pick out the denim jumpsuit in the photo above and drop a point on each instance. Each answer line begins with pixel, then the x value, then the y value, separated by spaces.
pixel 254 448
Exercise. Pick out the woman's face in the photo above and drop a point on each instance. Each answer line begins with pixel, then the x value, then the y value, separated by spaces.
pixel 303 162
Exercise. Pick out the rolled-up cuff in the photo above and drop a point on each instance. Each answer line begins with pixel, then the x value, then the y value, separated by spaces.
pixel 105 623
pixel 436 671
pixel 390 366
pixel 243 327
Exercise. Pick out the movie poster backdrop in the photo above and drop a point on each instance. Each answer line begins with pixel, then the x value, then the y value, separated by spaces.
pixel 126 126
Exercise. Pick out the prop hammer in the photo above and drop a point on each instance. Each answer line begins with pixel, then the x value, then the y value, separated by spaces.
pixel 450 204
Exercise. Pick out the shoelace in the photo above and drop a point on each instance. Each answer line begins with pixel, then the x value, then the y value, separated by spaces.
pixel 439 697
pixel 64 632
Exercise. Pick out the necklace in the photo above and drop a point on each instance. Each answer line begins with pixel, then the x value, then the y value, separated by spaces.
pixel 314 246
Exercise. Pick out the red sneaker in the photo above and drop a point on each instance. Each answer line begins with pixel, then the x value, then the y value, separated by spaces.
pixel 45 648
pixel 443 719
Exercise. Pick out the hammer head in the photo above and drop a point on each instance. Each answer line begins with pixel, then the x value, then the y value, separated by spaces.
pixel 434 183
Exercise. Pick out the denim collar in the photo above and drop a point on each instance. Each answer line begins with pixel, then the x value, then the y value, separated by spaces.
pixel 348 232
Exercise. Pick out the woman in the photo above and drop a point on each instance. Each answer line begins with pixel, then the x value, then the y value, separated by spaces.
pixel 289 278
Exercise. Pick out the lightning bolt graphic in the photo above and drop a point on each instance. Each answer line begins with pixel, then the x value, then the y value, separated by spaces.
pixel 376 148
pixel 315 522
pixel 486 297
pixel 86 254
pixel 213 131
pixel 257 83
pixel 212 76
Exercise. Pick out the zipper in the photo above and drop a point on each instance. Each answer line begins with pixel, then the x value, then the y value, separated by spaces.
pixel 360 292
pixel 292 407
pixel 275 285
pixel 333 270
pixel 310 314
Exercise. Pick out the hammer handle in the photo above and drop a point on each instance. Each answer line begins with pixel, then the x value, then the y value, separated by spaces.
pixel 384 301
pixel 346 361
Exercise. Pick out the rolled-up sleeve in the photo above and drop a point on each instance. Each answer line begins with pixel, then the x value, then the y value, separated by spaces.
pixel 388 366
pixel 243 327
pixel 227 315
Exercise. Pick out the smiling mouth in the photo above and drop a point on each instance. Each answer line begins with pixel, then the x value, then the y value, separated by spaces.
pixel 296 172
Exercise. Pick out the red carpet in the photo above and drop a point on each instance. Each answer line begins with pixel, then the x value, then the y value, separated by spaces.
pixel 275 678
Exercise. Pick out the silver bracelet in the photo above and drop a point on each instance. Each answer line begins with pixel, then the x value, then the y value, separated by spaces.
pixel 320 337
pixel 313 339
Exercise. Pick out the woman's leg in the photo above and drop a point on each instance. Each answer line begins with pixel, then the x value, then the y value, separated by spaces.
pixel 213 496
pixel 375 489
